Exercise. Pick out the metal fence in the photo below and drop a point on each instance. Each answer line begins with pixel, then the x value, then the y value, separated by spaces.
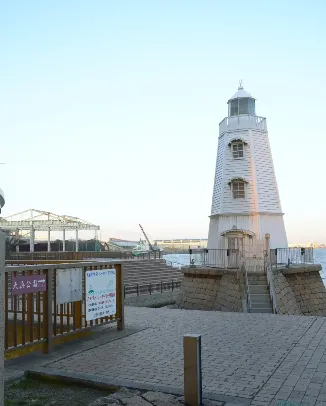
pixel 291 256
pixel 137 290
pixel 36 320
pixel 82 255
pixel 221 258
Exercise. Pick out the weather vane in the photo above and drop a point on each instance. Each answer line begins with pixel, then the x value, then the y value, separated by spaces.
pixel 240 84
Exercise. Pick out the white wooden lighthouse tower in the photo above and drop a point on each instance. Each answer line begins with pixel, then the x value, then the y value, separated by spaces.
pixel 246 204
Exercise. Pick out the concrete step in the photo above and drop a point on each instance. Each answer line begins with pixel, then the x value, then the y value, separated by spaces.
pixel 258 298
pixel 145 261
pixel 132 268
pixel 262 310
pixel 157 274
pixel 167 274
pixel 260 289
pixel 148 281
pixel 145 269
pixel 261 305
pixel 149 263
pixel 152 269
pixel 257 281
pixel 154 277
pixel 163 274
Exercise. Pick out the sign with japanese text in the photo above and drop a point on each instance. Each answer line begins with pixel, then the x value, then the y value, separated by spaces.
pixel 22 284
pixel 100 293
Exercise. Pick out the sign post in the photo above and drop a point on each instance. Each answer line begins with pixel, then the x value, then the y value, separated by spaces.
pixel 192 369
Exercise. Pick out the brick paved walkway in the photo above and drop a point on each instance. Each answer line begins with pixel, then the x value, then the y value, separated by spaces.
pixel 270 359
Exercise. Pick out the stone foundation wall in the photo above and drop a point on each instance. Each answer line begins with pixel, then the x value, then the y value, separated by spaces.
pixel 300 290
pixel 211 289
pixel 155 299
pixel 286 301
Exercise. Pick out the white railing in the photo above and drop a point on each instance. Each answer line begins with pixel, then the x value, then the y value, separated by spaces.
pixel 242 122
pixel 288 257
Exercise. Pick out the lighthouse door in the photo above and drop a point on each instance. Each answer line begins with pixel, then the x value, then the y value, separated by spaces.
pixel 235 243
pixel 236 247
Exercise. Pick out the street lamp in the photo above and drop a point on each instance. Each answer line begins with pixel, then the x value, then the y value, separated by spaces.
pixel 2 199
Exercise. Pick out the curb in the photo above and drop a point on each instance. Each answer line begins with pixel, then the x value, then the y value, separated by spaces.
pixel 97 382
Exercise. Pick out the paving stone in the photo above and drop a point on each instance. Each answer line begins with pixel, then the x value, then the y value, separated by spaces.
pixel 136 401
pixel 161 399
pixel 125 393
pixel 105 401
pixel 209 402
pixel 261 357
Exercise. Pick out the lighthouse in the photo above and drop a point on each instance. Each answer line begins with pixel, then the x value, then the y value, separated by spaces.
pixel 246 203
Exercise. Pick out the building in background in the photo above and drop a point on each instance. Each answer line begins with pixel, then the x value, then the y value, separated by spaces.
pixel 182 244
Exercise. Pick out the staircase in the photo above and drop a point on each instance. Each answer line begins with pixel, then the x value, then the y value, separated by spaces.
pixel 259 300
pixel 148 271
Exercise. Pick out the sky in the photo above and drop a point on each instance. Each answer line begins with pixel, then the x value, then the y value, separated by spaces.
pixel 110 109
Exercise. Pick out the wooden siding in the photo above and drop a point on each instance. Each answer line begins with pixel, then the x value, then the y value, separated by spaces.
pixel 268 196
pixel 216 202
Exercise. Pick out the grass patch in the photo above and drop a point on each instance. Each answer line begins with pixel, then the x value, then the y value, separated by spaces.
pixel 34 392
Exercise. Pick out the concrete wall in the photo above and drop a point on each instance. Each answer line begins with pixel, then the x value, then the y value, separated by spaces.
pixel 155 299
pixel 300 290
pixel 211 289
pixel 2 313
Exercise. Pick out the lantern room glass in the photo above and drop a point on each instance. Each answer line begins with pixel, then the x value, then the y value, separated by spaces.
pixel 240 106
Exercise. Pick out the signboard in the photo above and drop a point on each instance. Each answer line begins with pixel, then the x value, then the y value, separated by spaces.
pixel 22 284
pixel 69 285
pixel 100 293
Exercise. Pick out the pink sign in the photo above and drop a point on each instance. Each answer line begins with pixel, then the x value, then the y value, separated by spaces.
pixel 22 284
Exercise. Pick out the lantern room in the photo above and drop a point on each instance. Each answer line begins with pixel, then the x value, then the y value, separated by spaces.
pixel 241 103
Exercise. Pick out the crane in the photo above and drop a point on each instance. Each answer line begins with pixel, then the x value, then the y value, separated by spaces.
pixel 147 239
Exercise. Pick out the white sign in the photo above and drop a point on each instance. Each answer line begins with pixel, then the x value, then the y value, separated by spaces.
pixel 100 293
pixel 69 283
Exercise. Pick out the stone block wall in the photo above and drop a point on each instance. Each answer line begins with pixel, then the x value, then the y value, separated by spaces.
pixel 155 299
pixel 211 289
pixel 300 290
pixel 286 301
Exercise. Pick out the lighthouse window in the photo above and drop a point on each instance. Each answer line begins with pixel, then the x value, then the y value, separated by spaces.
pixel 234 110
pixel 243 106
pixel 237 150
pixel 238 189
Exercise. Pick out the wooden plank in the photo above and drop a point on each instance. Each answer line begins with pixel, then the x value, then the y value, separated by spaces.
pixel 47 312
pixel 119 295
pixel 192 370
pixel 30 313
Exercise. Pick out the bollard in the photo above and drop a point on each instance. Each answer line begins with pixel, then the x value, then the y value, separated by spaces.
pixel 192 369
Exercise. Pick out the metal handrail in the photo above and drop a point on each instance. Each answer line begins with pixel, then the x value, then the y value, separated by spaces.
pixel 173 263
pixel 247 291
pixel 272 293
pixel 291 256
pixel 150 288
pixel 221 258
pixel 269 276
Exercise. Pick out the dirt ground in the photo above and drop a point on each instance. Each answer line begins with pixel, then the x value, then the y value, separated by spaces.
pixel 30 392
